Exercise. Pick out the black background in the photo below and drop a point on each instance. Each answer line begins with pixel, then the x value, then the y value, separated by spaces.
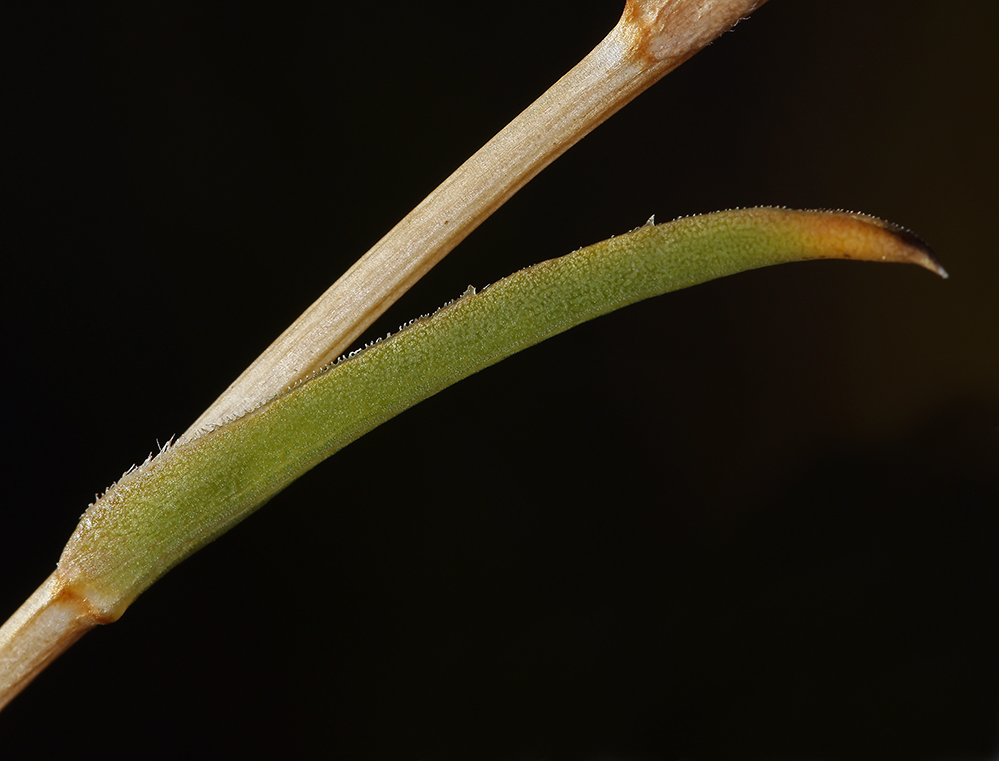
pixel 753 519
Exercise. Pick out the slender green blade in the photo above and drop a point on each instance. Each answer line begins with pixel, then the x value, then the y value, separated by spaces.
pixel 161 512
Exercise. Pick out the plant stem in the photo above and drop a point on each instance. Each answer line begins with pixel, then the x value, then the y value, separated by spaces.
pixel 651 39
pixel 46 625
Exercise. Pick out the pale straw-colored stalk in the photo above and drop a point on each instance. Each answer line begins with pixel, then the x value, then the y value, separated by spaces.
pixel 652 38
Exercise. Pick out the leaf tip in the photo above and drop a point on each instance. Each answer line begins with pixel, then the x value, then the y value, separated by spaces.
pixel 919 250
pixel 844 234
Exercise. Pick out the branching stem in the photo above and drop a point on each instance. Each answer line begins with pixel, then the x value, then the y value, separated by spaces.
pixel 652 38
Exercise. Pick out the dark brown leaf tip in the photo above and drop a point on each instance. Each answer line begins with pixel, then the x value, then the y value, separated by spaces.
pixel 885 241
pixel 908 238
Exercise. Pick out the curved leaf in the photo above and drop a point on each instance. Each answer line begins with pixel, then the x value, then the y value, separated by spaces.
pixel 160 513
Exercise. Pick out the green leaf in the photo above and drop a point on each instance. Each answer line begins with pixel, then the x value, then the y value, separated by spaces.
pixel 192 492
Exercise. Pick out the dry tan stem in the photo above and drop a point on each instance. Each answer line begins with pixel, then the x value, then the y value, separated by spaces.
pixel 44 627
pixel 652 38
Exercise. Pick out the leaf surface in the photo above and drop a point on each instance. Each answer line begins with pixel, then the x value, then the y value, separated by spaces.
pixel 171 506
